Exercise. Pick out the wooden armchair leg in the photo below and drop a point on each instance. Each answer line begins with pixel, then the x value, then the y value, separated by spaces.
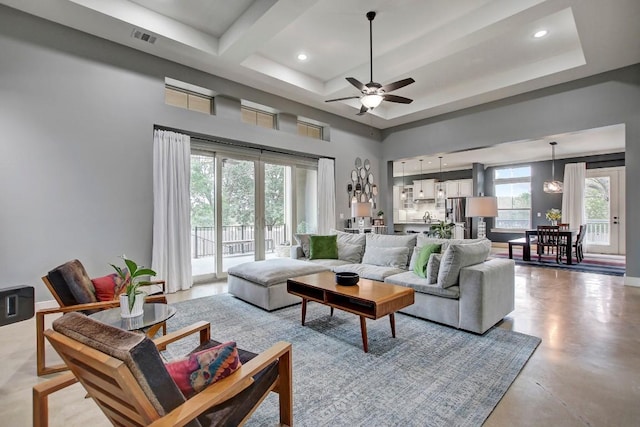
pixel 41 394
pixel 285 389
pixel 41 368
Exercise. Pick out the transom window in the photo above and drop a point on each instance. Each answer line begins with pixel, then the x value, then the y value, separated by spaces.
pixel 257 117
pixel 512 187
pixel 310 130
pixel 186 99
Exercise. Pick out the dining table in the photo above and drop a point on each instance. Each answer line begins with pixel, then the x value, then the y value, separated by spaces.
pixel 570 237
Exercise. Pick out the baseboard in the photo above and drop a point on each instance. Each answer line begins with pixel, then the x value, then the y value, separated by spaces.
pixel 632 281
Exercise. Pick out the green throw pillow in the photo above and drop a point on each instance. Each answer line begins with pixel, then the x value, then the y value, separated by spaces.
pixel 323 247
pixel 423 258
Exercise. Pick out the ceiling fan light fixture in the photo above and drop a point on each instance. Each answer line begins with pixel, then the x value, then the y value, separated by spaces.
pixel 371 101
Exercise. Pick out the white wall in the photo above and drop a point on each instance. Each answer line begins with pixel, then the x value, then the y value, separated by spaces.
pixel 77 116
pixel 602 100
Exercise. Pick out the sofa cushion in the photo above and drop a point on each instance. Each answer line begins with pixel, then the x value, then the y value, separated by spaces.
pixel 391 241
pixel 272 271
pixel 426 240
pixel 423 258
pixel 330 263
pixel 383 256
pixel 323 247
pixel 411 280
pixel 461 255
pixel 350 252
pixel 353 238
pixel 303 241
pixel 433 267
pixel 368 271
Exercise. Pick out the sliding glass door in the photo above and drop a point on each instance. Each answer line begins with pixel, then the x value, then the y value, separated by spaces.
pixel 246 207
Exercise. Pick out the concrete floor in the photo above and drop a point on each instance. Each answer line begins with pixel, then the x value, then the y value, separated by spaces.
pixel 586 371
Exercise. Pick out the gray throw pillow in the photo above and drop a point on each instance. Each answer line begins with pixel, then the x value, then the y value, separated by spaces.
pixel 304 241
pixel 433 267
pixel 349 252
pixel 458 256
pixel 391 257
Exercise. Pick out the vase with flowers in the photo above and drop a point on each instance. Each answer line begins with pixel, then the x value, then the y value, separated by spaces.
pixel 554 215
pixel 131 297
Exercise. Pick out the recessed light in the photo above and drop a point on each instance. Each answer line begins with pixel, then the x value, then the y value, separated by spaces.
pixel 302 57
pixel 540 33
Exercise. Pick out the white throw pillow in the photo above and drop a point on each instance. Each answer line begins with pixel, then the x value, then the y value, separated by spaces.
pixel 349 252
pixel 391 257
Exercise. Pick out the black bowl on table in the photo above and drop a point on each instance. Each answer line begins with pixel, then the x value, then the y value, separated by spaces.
pixel 347 279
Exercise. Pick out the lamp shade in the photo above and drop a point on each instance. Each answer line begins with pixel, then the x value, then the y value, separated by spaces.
pixel 484 206
pixel 361 209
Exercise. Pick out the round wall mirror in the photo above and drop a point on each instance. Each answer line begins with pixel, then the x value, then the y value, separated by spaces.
pixel 363 197
pixel 358 162
pixel 370 178
pixel 374 190
pixel 354 175
pixel 367 188
pixel 367 164
pixel 363 174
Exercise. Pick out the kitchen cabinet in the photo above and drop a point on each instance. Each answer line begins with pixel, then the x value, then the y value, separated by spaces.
pixel 400 206
pixel 428 188
pixel 459 188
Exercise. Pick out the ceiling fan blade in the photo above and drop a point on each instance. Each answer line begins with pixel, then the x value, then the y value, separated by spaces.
pixel 363 110
pixel 342 99
pixel 397 85
pixel 396 98
pixel 357 84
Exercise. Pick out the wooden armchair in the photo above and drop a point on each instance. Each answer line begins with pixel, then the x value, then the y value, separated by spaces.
pixel 125 375
pixel 73 291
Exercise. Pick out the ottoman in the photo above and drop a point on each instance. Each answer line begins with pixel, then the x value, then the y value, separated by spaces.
pixel 264 283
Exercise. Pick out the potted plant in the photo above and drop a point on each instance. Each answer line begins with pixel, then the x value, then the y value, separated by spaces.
pixel 442 230
pixel 554 215
pixel 131 282
pixel 380 214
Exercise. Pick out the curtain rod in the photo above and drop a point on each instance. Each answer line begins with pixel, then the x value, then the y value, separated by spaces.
pixel 242 144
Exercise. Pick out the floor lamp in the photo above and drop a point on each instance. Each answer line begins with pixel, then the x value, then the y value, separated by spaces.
pixel 482 207
pixel 361 210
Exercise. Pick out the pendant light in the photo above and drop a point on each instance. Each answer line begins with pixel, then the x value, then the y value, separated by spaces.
pixel 553 186
pixel 421 194
pixel 440 189
pixel 403 195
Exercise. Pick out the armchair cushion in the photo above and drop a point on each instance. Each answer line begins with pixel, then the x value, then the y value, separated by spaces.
pixel 72 284
pixel 194 373
pixel 105 286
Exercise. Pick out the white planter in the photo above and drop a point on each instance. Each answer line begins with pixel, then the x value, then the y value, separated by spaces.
pixel 137 306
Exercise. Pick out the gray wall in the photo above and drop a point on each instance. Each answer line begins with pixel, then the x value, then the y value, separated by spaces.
pixel 77 115
pixel 602 100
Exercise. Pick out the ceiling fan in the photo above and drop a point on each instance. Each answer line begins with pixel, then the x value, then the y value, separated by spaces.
pixel 374 93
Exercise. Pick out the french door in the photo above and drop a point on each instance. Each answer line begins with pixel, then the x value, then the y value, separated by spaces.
pixel 243 208
pixel 604 210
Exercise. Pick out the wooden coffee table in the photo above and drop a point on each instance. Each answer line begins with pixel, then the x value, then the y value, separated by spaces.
pixel 368 299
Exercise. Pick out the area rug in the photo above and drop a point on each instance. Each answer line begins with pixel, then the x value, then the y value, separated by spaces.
pixel 590 264
pixel 430 375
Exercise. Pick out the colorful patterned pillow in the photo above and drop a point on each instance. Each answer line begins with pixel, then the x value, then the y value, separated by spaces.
pixel 194 373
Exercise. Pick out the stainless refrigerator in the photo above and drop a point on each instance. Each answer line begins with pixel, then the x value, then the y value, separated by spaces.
pixel 456 207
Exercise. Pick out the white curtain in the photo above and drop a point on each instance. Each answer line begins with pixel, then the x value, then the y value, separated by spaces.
pixel 573 194
pixel 326 196
pixel 171 209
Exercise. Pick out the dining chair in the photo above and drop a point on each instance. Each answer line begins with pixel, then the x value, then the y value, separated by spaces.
pixel 548 241
pixel 577 246
pixel 126 376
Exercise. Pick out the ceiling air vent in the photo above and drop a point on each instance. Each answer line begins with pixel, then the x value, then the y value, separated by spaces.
pixel 145 37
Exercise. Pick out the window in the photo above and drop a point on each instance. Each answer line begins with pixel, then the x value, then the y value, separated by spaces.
pixel 186 99
pixel 310 130
pixel 257 117
pixel 512 187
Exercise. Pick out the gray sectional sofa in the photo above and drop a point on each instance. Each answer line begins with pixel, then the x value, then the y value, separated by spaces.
pixel 462 287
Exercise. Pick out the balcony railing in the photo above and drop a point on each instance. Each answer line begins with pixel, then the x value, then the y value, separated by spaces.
pixel 236 239
pixel 598 231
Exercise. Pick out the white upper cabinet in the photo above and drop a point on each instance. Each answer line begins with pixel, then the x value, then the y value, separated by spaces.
pixel 459 188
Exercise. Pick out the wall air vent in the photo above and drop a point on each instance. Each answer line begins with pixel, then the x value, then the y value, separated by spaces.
pixel 141 35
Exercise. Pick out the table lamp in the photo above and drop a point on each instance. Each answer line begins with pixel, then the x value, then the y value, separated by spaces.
pixel 361 210
pixel 481 207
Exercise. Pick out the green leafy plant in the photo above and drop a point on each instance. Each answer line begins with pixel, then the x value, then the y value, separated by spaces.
pixel 131 279
pixel 380 213
pixel 442 229
pixel 553 214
